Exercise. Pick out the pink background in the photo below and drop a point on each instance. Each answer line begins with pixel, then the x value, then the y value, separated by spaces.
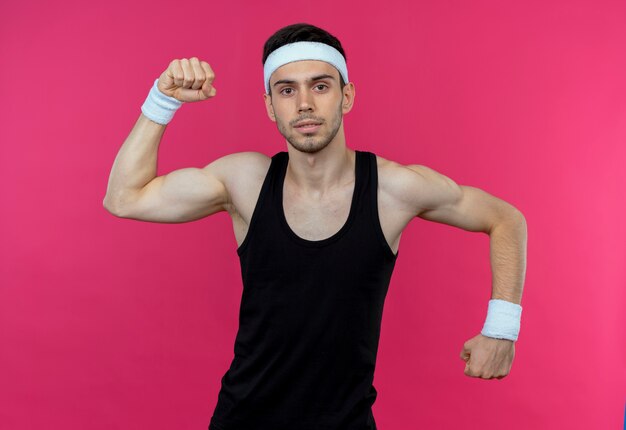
pixel 109 323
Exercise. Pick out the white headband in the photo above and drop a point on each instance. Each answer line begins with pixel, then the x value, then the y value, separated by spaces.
pixel 299 51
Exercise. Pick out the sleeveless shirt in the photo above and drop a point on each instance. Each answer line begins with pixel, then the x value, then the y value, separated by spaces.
pixel 309 317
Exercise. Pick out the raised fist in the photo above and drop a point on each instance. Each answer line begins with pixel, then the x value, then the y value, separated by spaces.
pixel 188 80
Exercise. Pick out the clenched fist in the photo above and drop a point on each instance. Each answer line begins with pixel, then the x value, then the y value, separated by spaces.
pixel 188 80
pixel 488 358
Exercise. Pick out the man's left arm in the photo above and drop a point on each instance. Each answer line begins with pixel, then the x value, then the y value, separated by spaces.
pixel 435 197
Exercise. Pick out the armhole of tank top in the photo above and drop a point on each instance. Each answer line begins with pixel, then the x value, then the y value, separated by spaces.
pixel 374 209
pixel 255 213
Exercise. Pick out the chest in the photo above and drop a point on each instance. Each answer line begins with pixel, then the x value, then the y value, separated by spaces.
pixel 317 218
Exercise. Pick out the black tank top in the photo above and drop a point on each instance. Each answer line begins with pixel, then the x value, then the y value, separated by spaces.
pixel 310 316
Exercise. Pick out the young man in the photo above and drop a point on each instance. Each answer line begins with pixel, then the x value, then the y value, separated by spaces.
pixel 318 229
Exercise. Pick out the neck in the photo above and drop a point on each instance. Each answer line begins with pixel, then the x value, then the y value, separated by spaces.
pixel 317 173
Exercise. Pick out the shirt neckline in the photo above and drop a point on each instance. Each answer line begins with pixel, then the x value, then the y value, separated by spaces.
pixel 353 203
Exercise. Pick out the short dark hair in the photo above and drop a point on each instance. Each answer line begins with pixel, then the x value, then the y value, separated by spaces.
pixel 298 33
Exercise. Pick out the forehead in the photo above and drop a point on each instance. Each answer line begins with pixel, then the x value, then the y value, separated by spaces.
pixel 303 69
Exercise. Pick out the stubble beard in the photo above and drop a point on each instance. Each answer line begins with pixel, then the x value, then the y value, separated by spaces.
pixel 312 143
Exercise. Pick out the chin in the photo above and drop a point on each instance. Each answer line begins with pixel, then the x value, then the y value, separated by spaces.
pixel 308 147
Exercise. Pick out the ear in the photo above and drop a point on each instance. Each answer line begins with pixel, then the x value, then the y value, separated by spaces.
pixel 269 107
pixel 348 98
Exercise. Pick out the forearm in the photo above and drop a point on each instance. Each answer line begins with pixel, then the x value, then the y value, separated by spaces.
pixel 508 241
pixel 136 162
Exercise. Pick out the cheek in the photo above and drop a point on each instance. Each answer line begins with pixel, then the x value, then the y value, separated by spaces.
pixel 279 118
pixel 279 112
pixel 281 123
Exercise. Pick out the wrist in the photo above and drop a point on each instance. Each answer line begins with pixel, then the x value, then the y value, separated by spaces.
pixel 159 107
pixel 503 320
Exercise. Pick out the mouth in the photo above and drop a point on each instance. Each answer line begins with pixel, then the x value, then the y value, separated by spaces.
pixel 308 127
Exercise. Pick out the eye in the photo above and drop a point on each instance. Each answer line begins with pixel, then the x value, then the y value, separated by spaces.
pixel 285 89
pixel 321 85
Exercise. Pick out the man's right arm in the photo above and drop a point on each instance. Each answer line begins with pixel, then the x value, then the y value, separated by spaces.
pixel 134 190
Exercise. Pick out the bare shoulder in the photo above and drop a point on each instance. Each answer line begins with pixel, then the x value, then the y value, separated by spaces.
pixel 242 174
pixel 409 188
pixel 232 169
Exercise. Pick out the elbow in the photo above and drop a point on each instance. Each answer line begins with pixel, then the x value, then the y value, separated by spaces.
pixel 519 216
pixel 520 222
pixel 119 204
pixel 112 207
pixel 510 213
pixel 511 217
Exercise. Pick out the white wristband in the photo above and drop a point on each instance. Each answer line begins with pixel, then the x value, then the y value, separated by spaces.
pixel 503 320
pixel 159 107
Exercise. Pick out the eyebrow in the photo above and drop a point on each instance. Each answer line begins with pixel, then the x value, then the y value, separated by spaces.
pixel 314 78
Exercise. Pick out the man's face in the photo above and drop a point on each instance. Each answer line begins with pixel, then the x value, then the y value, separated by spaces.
pixel 308 90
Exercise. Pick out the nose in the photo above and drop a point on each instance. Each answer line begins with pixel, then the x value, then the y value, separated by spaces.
pixel 305 101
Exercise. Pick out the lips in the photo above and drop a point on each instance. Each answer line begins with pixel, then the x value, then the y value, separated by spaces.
pixel 309 128
pixel 307 124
